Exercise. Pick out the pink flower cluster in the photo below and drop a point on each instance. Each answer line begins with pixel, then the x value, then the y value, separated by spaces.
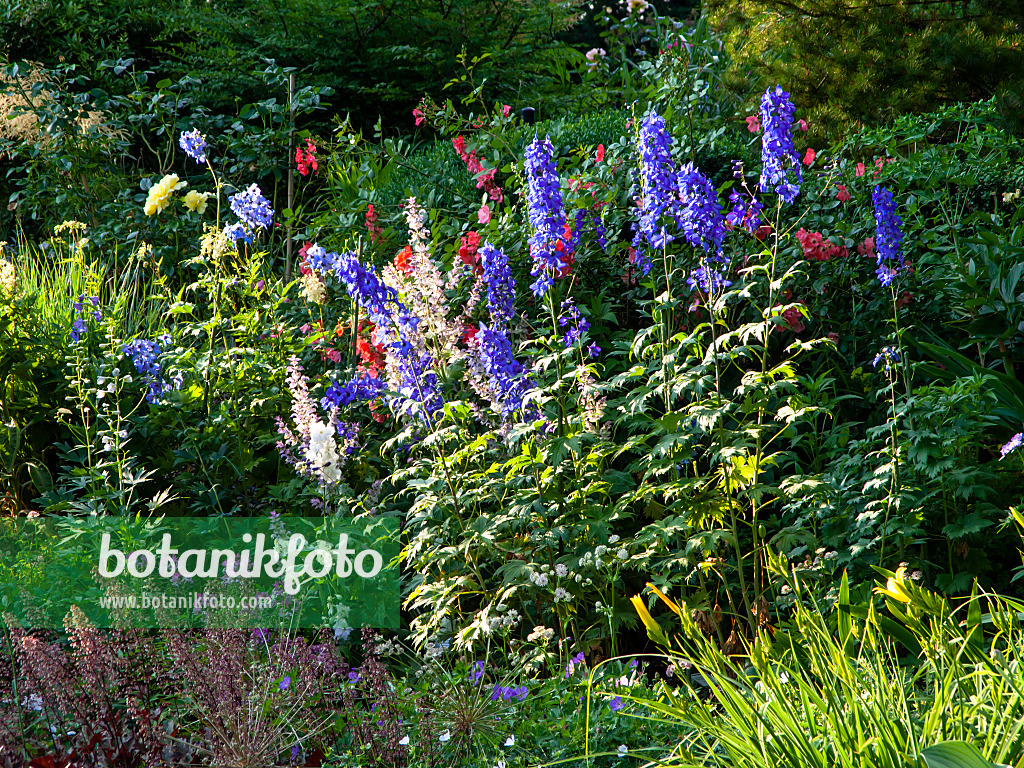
pixel 305 160
pixel 817 248
pixel 484 176
pixel 879 162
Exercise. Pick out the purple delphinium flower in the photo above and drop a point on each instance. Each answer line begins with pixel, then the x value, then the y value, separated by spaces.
pixel 707 279
pixel 501 287
pixel 574 323
pixel 194 145
pixel 701 218
pixel 743 213
pixel 703 227
pixel 477 672
pixel 237 231
pixel 599 231
pixel 252 208
pixel 778 155
pixel 888 236
pixel 145 355
pixel 79 326
pixel 659 198
pixel 887 356
pixel 546 211
pixel 361 388
pixel 1015 442
pixel 508 378
pixel 395 324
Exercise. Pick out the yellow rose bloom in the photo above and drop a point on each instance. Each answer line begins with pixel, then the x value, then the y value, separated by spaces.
pixel 196 201
pixel 160 193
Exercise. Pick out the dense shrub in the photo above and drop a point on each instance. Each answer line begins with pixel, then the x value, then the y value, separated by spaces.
pixel 853 63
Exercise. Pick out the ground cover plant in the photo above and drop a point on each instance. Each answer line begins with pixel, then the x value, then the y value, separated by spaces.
pixel 701 430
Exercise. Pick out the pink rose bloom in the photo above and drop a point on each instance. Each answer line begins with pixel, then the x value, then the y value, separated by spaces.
pixel 484 214
pixel 843 194
pixel 506 109
pixel 809 157
pixel 754 123
pixel 802 124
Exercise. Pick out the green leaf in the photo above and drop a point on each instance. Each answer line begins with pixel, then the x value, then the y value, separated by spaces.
pixel 956 754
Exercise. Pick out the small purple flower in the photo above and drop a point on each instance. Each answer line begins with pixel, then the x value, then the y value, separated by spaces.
pixel 887 356
pixel 79 326
pixel 145 355
pixel 236 232
pixel 616 703
pixel 576 325
pixel 287 681
pixel 477 672
pixel 577 659
pixel 362 388
pixel 194 145
pixel 593 350
pixel 353 676
pixel 296 751
pixel 1015 442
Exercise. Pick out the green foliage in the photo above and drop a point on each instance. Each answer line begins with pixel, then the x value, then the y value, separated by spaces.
pixel 853 63
pixel 805 694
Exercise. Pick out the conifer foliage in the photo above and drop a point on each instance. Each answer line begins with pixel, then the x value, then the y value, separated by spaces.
pixel 852 62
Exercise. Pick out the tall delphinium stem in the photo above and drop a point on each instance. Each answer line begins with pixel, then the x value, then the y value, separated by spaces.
pixel 658 204
pixel 889 252
pixel 759 445
pixel 548 243
pixel 780 173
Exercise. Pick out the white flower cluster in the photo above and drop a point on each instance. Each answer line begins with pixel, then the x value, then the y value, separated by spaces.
pixel 509 620
pixel 541 634
pixel 8 278
pixel 322 452
pixel 540 579
pixel 313 289
pixel 111 441
pixel 562 596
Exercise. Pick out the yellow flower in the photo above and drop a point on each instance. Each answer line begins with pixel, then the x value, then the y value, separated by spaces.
pixel 196 201
pixel 895 587
pixel 160 193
